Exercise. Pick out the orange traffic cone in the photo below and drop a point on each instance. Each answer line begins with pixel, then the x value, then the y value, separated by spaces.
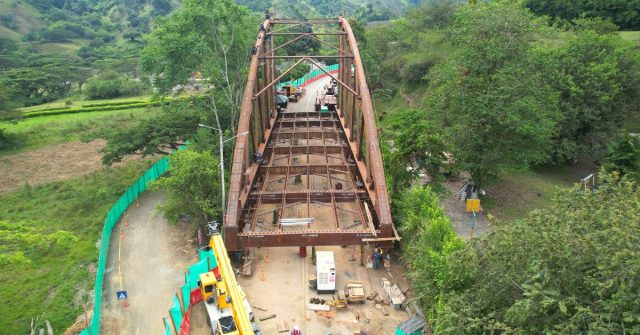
pixel 266 255
pixel 263 277
pixel 137 203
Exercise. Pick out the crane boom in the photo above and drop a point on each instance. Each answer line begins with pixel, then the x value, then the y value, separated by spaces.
pixel 240 312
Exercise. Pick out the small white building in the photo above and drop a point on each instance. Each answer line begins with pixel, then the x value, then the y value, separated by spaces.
pixel 326 272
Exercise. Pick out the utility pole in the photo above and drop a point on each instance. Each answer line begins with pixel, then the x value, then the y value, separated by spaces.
pixel 222 142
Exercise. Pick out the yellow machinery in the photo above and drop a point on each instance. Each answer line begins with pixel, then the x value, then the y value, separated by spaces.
pixel 223 298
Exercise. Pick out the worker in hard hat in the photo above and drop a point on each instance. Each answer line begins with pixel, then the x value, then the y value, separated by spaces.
pixel 296 331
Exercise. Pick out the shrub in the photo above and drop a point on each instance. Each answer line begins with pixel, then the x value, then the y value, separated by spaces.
pixel 7 140
pixel 112 85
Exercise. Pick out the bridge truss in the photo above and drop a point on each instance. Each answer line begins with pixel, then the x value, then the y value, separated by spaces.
pixel 319 177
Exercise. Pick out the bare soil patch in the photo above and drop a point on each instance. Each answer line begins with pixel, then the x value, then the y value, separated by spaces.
pixel 280 285
pixel 52 163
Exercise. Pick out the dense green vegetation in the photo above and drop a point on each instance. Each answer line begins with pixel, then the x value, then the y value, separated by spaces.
pixel 369 10
pixel 109 85
pixel 160 134
pixel 624 13
pixel 41 225
pixel 503 91
pixel 193 188
pixel 72 41
pixel 511 92
pixel 571 268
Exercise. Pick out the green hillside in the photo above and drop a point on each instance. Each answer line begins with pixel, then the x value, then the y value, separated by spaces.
pixel 368 10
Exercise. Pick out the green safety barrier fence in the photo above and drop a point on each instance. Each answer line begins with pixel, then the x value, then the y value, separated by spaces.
pixel 114 214
pixel 309 76
pixel 206 263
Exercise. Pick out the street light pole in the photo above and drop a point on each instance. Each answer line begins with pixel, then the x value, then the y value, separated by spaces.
pixel 222 142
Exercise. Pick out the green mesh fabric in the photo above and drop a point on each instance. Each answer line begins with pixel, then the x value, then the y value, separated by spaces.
pixel 311 75
pixel 176 312
pixel 186 295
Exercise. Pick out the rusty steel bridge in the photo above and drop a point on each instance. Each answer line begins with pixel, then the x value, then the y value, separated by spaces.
pixel 321 171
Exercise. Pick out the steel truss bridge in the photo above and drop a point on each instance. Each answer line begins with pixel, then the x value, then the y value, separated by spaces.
pixel 322 170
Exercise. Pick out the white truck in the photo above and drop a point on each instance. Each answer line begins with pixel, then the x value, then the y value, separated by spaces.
pixel 326 272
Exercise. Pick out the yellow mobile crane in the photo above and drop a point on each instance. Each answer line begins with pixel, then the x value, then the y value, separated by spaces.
pixel 227 307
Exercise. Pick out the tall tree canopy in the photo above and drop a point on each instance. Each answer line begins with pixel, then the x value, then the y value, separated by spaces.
pixel 598 81
pixel 212 37
pixel 490 100
pixel 624 13
pixel 160 134
pixel 193 188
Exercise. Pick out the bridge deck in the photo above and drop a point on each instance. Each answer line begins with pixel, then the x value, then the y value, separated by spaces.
pixel 308 176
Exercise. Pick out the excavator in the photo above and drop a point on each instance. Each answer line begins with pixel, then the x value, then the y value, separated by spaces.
pixel 226 303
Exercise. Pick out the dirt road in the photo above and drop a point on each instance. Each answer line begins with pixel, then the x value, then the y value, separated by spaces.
pixel 152 258
pixel 463 222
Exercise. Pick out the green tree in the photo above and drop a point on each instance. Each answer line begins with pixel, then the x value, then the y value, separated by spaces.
pixel 623 156
pixel 573 268
pixel 160 134
pixel 32 86
pixel 598 81
pixel 109 85
pixel 418 143
pixel 433 14
pixel 7 106
pixel 489 99
pixel 624 13
pixel 303 46
pixel 193 187
pixel 212 37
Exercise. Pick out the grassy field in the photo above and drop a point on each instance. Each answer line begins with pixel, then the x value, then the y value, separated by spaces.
pixel 59 271
pixel 46 130
pixel 78 101
pixel 519 192
pixel 633 36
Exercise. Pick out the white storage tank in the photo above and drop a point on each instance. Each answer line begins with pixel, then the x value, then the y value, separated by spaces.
pixel 326 272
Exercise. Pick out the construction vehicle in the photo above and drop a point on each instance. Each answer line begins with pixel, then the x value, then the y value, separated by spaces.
pixel 287 90
pixel 297 94
pixel 227 307
pixel 337 303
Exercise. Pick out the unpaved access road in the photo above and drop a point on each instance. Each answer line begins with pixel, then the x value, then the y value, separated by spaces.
pixel 149 263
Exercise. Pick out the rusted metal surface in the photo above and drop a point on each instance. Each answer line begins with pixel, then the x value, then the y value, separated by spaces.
pixel 311 182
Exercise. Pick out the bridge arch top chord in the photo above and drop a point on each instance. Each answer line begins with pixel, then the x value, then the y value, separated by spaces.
pixel 304 177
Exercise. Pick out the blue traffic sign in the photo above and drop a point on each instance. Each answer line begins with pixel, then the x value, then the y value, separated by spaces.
pixel 122 295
